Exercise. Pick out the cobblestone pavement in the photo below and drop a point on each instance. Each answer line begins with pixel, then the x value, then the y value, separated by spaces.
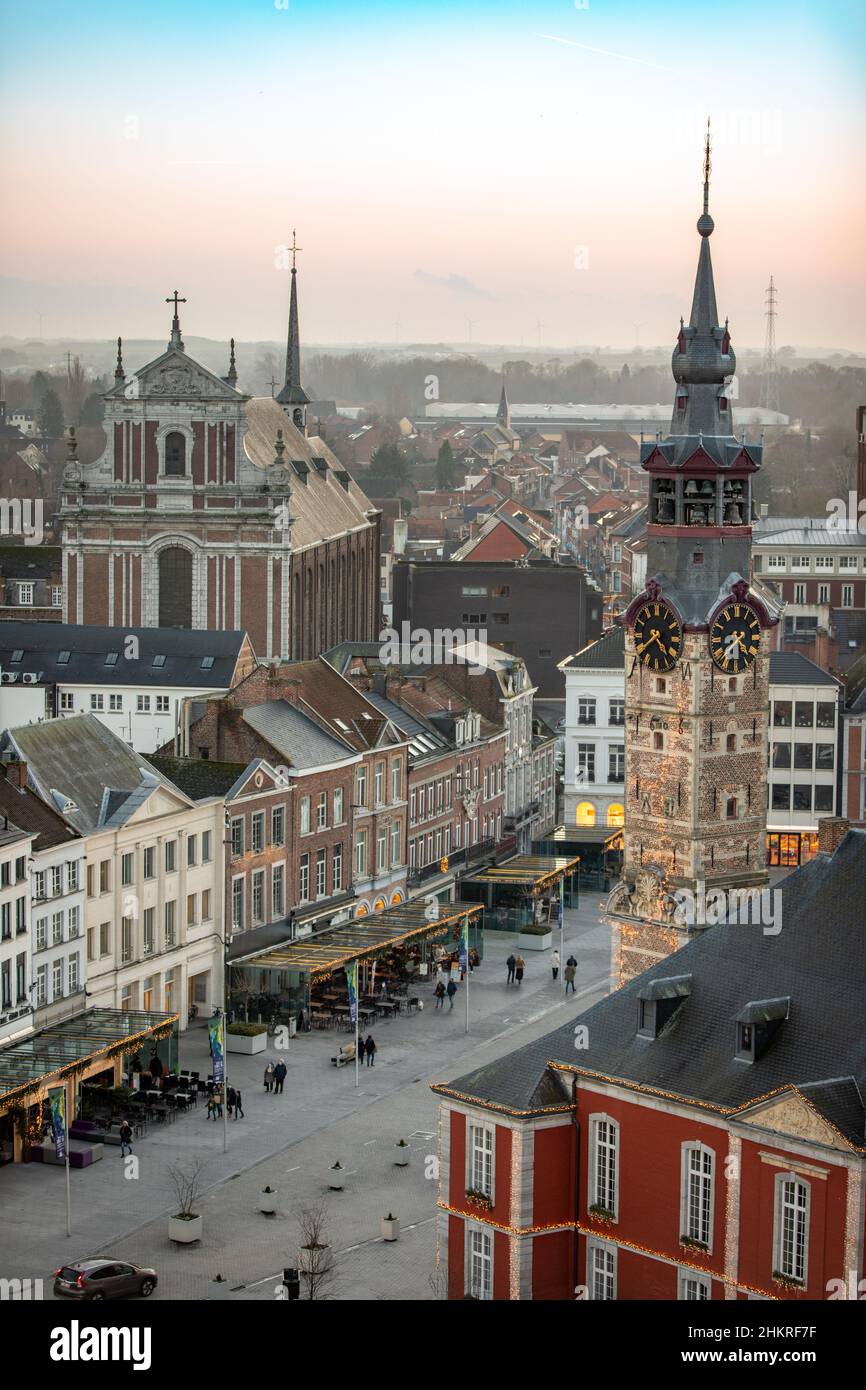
pixel 289 1142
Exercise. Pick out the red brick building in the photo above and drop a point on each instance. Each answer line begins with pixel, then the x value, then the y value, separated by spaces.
pixel 699 1134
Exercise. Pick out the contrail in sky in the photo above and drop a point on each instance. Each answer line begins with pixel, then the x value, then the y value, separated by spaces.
pixel 625 57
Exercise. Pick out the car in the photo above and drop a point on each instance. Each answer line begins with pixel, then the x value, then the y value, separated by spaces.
pixel 98 1279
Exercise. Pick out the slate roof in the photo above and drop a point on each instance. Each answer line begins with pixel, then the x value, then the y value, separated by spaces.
pixel 817 959
pixel 199 778
pixel 855 699
pixel 79 760
pixel 23 809
pixel 336 705
pixel 31 562
pixel 184 650
pixel 606 653
pixel 790 668
pixel 297 738
pixel 804 532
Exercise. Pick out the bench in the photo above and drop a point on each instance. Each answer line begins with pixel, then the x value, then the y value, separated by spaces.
pixel 81 1154
pixel 344 1055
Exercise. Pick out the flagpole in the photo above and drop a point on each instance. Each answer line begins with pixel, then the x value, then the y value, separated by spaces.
pixel 562 932
pixel 468 970
pixel 357 1061
pixel 68 1194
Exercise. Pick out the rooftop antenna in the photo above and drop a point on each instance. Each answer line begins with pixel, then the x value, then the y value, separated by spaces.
pixel 769 366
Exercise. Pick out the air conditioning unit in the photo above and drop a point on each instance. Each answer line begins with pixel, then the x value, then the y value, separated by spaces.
pixel 30 678
pixel 9 677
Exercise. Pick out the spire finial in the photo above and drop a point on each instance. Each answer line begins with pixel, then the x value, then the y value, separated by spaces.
pixel 118 371
pixel 279 448
pixel 71 445
pixel 231 375
pixel 295 248
pixel 175 341
pixel 708 166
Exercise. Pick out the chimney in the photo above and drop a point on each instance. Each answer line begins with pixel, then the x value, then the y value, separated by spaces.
pixel 831 830
pixel 15 772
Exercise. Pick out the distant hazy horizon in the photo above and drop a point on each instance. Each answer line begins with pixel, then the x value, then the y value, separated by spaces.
pixel 470 173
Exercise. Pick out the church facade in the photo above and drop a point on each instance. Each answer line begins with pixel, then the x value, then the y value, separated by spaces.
pixel 210 508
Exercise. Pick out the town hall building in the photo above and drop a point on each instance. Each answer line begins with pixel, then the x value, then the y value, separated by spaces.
pixel 210 508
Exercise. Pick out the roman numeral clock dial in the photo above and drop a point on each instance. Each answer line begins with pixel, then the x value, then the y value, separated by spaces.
pixel 735 638
pixel 658 636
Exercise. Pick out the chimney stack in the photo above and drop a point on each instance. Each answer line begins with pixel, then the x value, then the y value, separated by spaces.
pixel 15 772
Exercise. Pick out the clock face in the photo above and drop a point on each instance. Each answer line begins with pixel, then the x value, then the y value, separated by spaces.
pixel 735 638
pixel 658 636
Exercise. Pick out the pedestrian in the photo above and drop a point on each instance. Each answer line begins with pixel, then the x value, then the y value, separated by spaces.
pixel 156 1069
pixel 570 971
pixel 511 963
pixel 554 965
pixel 239 1107
pixel 451 991
pixel 279 1077
pixel 370 1049
pixel 440 994
pixel 125 1138
pixel 519 967
pixel 571 961
pixel 269 1076
pixel 231 1098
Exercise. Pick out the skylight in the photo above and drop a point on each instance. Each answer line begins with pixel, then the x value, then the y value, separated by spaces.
pixel 158 661
pixel 63 658
pixel 111 658
pixel 17 655
pixel 206 663
pixel 341 725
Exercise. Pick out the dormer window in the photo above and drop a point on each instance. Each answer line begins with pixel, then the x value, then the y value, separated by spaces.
pixel 757 1025
pixel 723 405
pixel 745 1042
pixel 659 1001
pixel 681 403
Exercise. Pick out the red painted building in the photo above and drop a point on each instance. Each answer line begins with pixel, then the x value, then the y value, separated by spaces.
pixel 700 1134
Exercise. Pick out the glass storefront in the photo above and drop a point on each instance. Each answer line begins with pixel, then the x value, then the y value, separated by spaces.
pixel 789 849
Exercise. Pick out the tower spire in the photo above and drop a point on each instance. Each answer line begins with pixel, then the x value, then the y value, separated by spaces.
pixel 503 414
pixel 293 398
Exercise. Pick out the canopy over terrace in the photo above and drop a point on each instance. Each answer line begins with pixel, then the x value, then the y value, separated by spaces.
pixel 511 891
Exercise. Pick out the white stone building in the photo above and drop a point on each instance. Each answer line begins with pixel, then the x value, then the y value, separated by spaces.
pixel 594 733
pixel 15 999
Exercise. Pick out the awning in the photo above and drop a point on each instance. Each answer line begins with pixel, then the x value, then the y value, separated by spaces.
pixel 45 1058
pixel 527 871
pixel 364 938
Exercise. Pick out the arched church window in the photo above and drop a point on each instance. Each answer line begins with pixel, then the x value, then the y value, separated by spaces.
pixel 175 455
pixel 175 587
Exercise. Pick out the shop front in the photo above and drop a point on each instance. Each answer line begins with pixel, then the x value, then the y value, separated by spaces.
pixel 525 893
pixel 787 849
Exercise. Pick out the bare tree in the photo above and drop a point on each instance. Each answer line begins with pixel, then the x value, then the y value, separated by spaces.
pixel 187 1181
pixel 319 1274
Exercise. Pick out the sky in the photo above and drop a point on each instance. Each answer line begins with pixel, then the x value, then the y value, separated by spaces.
pixel 472 172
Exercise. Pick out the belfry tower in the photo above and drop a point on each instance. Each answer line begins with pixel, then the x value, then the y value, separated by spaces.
pixel 697 665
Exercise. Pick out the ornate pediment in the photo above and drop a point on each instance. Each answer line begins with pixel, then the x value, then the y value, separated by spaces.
pixel 175 376
pixel 792 1115
pixel 646 899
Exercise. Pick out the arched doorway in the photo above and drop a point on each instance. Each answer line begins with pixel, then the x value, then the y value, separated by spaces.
pixel 175 587
pixel 585 813
pixel 615 815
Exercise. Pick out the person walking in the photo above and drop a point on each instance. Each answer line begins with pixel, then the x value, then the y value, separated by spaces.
pixel 554 965
pixel 279 1077
pixel 370 1050
pixel 230 1099
pixel 269 1076
pixel 570 971
pixel 519 967
pixel 451 991
pixel 440 994
pixel 239 1108
pixel 511 963
pixel 125 1138
pixel 156 1069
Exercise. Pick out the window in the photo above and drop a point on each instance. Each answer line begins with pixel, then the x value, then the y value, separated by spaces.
pixel 191 909
pixel 304 885
pixel 25 594
pixel 395 843
pixel 480 1264
pixel 38 883
pixel 162 704
pixel 63 658
pixel 697 1194
pixel 803 755
pixel 56 595
pixel 804 714
pixel 321 873
pixel 823 593
pixel 105 876
pixel 57 979
pixel 339 797
pixel 616 762
pixel 56 928
pixel 617 711
pixel 322 811
pixel 826 714
pixel 170 922
pixel 379 784
pixel 67 700
pixel 74 970
pixel 126 945
pixel 780 796
pixel 481 1159
pixel 824 799
pixel 337 867
pixel 823 562
pixel 97 702
pixel 396 779
pixel 191 851
pixel 258 897
pixel 586 762
pixel 115 703
pixel 802 798
pixel 237 833
pixel 6 991
pixel 127 869
pixel 381 851
pixel 42 933
pixel 799 593
pixel 175 455
pixel 305 815
pixel 74 922
pixel 111 658
pixel 731 808
pixel 278 825
pixel 207 663
pixel 603 1177
pixel 143 704
pixel 791 1227
pixel 361 854
pixel 205 905
pixel 601 1273
pixel 782 714
pixel 781 754
pixel 847 562
pixel 361 787
pixel 105 938
pixel 278 892
pixel 205 846
pixel 586 710
pixel 149 933
pixel 41 985
pixel 257 832
pixel 694 1287
pixel 149 862
pixel 237 904
pixel 170 856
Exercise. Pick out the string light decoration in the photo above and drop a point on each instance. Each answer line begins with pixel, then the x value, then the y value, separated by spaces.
pixel 732 1215
pixel 514 1207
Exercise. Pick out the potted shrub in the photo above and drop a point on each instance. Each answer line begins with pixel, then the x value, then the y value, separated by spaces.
pixel 535 937
pixel 390 1227
pixel 249 1038
pixel 185 1226
pixel 336 1176
pixel 268 1201
pixel 403 1150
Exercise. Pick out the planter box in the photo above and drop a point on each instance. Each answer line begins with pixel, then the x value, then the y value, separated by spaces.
pixel 391 1229
pixel 250 1044
pixel 306 1257
pixel 403 1151
pixel 526 942
pixel 336 1179
pixel 267 1203
pixel 183 1231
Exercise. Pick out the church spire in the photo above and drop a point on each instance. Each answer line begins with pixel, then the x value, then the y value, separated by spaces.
pixel 703 360
pixel 293 398
pixel 118 370
pixel 175 341
pixel 503 414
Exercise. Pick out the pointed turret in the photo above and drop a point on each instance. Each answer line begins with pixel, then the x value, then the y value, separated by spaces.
pixel 293 398
pixel 231 376
pixel 503 414
pixel 703 360
pixel 118 370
